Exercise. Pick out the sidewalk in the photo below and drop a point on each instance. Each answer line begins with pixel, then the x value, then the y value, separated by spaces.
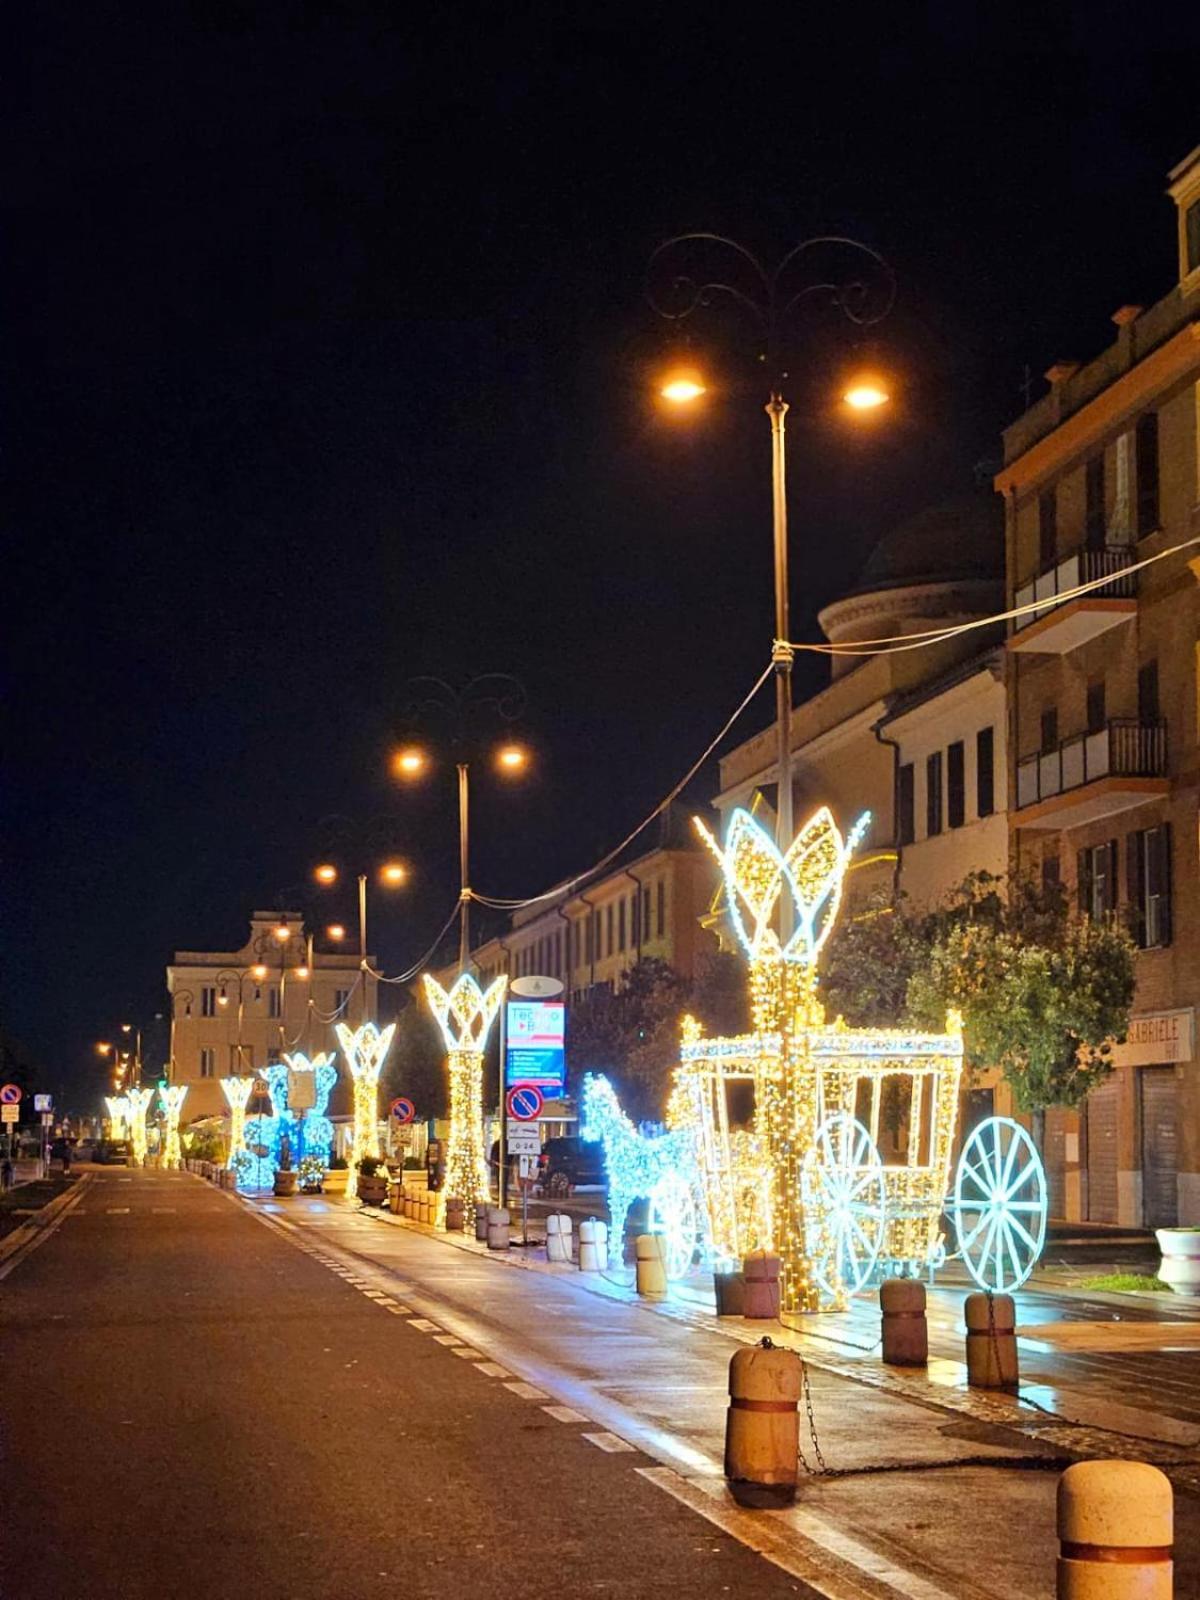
pixel 1068 1396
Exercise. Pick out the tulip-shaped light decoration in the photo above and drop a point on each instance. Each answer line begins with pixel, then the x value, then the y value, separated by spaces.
pixel 465 1014
pixel 365 1049
pixel 171 1098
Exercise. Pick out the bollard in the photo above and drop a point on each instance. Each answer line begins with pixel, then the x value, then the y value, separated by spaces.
pixel 395 1199
pixel 651 1269
pixel 455 1214
pixel 481 1224
pixel 1115 1532
pixel 730 1290
pixel 497 1229
pixel 760 1269
pixel 558 1237
pixel 423 1210
pixel 593 1245
pixel 905 1330
pixel 991 1341
pixel 762 1426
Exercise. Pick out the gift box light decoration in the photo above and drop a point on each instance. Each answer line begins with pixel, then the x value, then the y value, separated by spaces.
pixel 465 1014
pixel 237 1093
pixel 365 1049
pixel 139 1104
pixel 118 1115
pixel 171 1098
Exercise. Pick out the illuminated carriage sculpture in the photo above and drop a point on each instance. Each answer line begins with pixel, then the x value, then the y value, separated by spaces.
pixel 805 1176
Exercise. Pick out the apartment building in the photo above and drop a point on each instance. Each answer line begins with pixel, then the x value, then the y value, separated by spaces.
pixel 1100 475
pixel 234 1011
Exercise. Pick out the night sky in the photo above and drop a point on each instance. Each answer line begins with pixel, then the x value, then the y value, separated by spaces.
pixel 327 365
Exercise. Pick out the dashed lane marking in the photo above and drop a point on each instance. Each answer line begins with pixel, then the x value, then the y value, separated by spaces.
pixel 118 1211
pixel 423 1325
pixel 491 1370
pixel 608 1442
pixel 163 1211
pixel 446 1338
pixel 526 1391
pixel 465 1351
pixel 565 1414
pixel 399 1311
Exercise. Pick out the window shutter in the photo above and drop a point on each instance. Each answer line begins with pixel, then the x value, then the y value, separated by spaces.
pixel 1112 892
pixel 1083 880
pixel 1164 881
pixel 1133 886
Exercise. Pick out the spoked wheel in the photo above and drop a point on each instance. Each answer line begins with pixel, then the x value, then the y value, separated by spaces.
pixel 672 1213
pixel 559 1186
pixel 841 1183
pixel 1000 1205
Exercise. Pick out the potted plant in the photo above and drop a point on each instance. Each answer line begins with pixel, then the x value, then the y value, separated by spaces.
pixel 372 1181
pixel 1180 1265
pixel 285 1173
pixel 311 1172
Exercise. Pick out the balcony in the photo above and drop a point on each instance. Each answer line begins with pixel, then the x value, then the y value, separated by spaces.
pixel 1093 775
pixel 1063 624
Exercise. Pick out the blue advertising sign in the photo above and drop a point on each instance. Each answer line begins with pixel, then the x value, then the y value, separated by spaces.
pixel 535 1045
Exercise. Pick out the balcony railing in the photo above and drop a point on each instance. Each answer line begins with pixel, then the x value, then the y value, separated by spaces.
pixel 1082 566
pixel 1123 748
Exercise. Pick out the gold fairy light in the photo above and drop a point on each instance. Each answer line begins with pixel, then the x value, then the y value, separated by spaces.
pixel 118 1115
pixel 171 1097
pixel 237 1093
pixel 139 1104
pixel 465 1014
pixel 365 1049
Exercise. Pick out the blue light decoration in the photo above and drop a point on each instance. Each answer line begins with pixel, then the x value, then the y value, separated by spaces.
pixel 309 1132
pixel 661 1169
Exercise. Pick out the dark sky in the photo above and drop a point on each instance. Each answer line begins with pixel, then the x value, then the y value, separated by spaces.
pixel 326 365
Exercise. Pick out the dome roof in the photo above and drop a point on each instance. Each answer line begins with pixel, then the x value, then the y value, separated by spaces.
pixel 961 538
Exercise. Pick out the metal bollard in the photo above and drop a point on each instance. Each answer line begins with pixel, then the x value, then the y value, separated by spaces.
pixel 651 1269
pixel 1115 1531
pixel 455 1214
pixel 558 1237
pixel 760 1269
pixel 991 1341
pixel 762 1426
pixel 905 1330
pixel 497 1229
pixel 593 1245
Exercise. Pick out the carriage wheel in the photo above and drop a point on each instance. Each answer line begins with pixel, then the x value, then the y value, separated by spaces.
pixel 672 1213
pixel 841 1184
pixel 1000 1205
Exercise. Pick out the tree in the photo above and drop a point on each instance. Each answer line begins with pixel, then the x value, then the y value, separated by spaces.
pixel 633 1034
pixel 416 1064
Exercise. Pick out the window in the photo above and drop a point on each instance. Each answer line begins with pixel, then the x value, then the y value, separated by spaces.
pixel 1094 526
pixel 208 1002
pixel 208 1062
pixel 1191 230
pixel 558 953
pixel 274 998
pixel 956 784
pixel 1148 879
pixel 933 793
pixel 1051 872
pixel 1049 730
pixel 1096 880
pixel 1047 529
pixel 635 919
pixel 1146 466
pixel 274 1054
pixel 241 1059
pixel 662 908
pixel 340 996
pixel 608 917
pixel 906 821
pixel 621 925
pixel 646 909
pixel 1095 706
pixel 1148 692
pixel 985 772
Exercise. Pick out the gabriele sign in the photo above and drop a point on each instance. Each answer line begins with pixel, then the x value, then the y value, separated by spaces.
pixel 1158 1036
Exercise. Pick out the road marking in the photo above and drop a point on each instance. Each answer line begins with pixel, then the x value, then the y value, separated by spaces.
pixel 446 1338
pixel 423 1325
pixel 118 1211
pixel 491 1370
pixel 376 1294
pixel 124 1180
pixel 565 1414
pixel 526 1391
pixel 399 1311
pixel 608 1442
pixel 163 1211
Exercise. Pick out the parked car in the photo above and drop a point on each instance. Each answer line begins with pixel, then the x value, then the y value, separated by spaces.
pixel 111 1152
pixel 570 1163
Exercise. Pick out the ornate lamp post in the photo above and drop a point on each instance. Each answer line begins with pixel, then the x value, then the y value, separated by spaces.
pixel 690 273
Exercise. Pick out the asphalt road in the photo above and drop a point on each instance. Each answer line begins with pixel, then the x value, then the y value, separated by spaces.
pixel 191 1405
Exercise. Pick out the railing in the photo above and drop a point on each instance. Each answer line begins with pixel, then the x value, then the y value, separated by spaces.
pixel 1081 566
pixel 1123 748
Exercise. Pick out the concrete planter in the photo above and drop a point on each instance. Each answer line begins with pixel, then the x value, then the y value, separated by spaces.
pixel 372 1191
pixel 285 1183
pixel 1180 1265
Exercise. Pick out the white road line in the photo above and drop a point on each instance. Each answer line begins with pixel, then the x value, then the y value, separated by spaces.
pixel 163 1211
pixel 423 1325
pixel 491 1370
pixel 526 1391
pixel 446 1338
pixel 605 1441
pixel 118 1211
pixel 565 1414
pixel 467 1353
pixel 399 1311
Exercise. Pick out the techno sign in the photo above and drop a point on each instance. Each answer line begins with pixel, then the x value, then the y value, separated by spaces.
pixel 534 1045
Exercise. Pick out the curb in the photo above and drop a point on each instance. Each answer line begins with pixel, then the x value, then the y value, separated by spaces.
pixel 15 1242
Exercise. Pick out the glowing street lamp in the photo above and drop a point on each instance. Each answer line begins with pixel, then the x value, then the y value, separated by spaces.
pixel 866 394
pixel 681 388
pixel 326 873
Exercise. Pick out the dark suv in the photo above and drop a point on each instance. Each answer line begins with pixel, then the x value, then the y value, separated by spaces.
pixel 111 1152
pixel 568 1164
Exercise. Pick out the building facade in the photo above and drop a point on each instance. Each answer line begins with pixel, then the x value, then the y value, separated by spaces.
pixel 1099 476
pixel 235 1011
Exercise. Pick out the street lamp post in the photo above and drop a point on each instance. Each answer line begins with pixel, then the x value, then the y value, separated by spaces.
pixel 687 274
pixel 342 833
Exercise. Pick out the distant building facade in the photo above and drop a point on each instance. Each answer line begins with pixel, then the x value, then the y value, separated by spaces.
pixel 235 1011
pixel 1104 706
